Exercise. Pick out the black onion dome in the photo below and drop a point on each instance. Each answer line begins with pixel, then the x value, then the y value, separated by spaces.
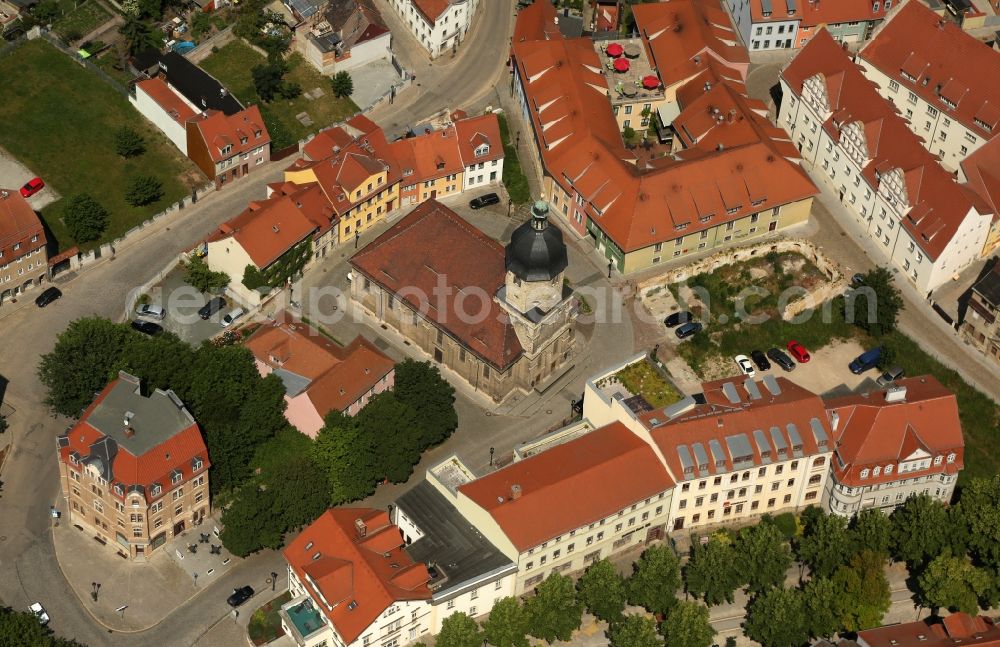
pixel 536 251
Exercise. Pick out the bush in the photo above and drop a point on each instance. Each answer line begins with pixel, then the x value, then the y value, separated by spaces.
pixel 85 218
pixel 129 143
pixel 197 274
pixel 142 190
pixel 342 84
pixel 785 522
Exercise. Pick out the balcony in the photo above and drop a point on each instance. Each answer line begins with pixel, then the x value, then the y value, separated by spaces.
pixel 302 619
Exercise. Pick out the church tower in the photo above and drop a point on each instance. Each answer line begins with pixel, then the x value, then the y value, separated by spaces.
pixel 538 302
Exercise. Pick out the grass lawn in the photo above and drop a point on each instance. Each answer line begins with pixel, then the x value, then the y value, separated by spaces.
pixel 265 623
pixel 59 119
pixel 642 379
pixel 80 21
pixel 232 64
pixel 513 176
pixel 108 62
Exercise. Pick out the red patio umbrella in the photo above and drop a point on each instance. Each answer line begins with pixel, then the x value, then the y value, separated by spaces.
pixel 615 50
pixel 650 82
pixel 621 64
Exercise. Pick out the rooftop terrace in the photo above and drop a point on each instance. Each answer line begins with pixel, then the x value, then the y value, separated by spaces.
pixel 627 86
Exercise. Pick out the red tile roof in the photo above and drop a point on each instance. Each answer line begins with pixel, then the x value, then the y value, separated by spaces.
pixel 570 485
pixel 18 224
pixel 872 432
pixel 456 268
pixel 167 99
pixel 943 61
pixel 982 173
pixel 831 12
pixel 537 21
pixel 431 9
pixel 638 206
pixel 778 10
pixel 353 558
pixel 957 628
pixel 938 204
pixel 268 228
pixel 220 131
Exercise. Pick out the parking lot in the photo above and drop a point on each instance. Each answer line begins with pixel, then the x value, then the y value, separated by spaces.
pixel 182 303
pixel 13 175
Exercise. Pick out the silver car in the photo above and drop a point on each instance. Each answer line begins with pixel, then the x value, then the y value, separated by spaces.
pixel 150 311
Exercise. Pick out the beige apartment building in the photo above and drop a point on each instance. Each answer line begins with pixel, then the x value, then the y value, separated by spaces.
pixel 134 469
pixel 981 326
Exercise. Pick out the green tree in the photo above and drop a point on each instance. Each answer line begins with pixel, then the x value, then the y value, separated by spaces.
pixel 628 134
pixel 602 591
pixel 201 23
pixel 713 572
pixel 874 307
pixel 342 85
pixel 163 361
pixel 554 612
pixel 687 625
pixel 81 363
pixel 198 275
pixel 825 544
pixel 819 598
pixel 507 625
pixel 459 630
pixel 3 424
pixel 20 629
pixel 395 428
pixel 267 80
pixel 129 142
pixel 863 594
pixel 634 631
pixel 953 583
pixel 253 278
pixel 249 523
pixel 348 456
pixel 764 557
pixel 776 618
pixel 421 386
pixel 46 12
pixel 142 190
pixel 137 34
pixel 872 531
pixel 980 507
pixel 655 579
pixel 85 218
pixel 919 530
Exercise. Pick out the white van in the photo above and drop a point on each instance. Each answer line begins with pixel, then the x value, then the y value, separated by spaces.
pixel 232 316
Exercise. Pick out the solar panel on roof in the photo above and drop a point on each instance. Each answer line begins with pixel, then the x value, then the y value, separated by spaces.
pixel 772 385
pixel 752 388
pixel 780 446
pixel 700 455
pixel 763 446
pixel 716 447
pixel 685 455
pixel 730 392
pixel 818 432
pixel 793 435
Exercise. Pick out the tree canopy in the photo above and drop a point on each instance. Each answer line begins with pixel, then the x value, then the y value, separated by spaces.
pixel 142 190
pixel 655 580
pixel 764 557
pixel 876 304
pixel 21 629
pixel 826 544
pixel 687 625
pixel 342 84
pixel 459 630
pixel 713 571
pixel 85 218
pixel 872 530
pixel 634 631
pixel 863 594
pixel 420 385
pixel 775 618
pixel 919 530
pixel 198 275
pixel 602 591
pixel 507 625
pixel 129 142
pixel 952 583
pixel 554 612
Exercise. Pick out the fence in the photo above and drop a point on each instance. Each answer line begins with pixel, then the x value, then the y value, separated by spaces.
pixel 118 87
pixel 204 49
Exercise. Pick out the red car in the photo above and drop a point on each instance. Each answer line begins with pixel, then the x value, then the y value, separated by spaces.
pixel 32 187
pixel 798 351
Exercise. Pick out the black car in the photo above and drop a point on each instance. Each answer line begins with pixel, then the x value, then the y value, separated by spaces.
pixel 779 357
pixel 760 359
pixel 688 329
pixel 47 297
pixel 147 327
pixel 678 318
pixel 213 306
pixel 239 596
pixel 484 201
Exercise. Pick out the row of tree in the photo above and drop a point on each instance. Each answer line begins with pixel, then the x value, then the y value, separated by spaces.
pixel 21 629
pixel 274 478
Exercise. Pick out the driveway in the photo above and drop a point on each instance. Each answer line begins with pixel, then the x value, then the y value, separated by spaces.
pixel 182 303
pixel 13 175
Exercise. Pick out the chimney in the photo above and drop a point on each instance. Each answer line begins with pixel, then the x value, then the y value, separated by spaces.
pixel 515 492
pixel 129 432
pixel 834 420
pixel 127 418
pixel 361 528
pixel 895 394
pixel 274 228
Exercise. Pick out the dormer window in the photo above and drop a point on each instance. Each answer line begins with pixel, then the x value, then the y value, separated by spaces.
pixel 864 473
pixel 243 140
pixel 482 149
pixel 197 464
pixel 225 150
pixel 155 491
pixel 951 457
pixel 256 134
pixel 119 490
pixel 309 545
pixel 176 476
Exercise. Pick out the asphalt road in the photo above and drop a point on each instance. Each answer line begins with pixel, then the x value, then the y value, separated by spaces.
pixel 28 569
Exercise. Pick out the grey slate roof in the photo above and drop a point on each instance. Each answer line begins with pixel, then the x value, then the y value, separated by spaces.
pixel 536 251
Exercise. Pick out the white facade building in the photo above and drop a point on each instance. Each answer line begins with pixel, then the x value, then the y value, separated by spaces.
pixel 766 24
pixel 439 25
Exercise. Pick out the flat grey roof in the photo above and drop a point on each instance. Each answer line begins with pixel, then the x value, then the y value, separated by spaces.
pixel 449 541
pixel 155 419
pixel 818 432
pixel 762 445
pixel 700 456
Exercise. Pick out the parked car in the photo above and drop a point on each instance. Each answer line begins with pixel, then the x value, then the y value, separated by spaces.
pixel 760 359
pixel 866 360
pixel 798 351
pixel 32 186
pixel 232 316
pixel 47 297
pixel 778 357
pixel 150 310
pixel 746 366
pixel 147 327
pixel 39 612
pixel 484 200
pixel 857 280
pixel 214 305
pixel 688 329
pixel 678 318
pixel 239 596
pixel 890 375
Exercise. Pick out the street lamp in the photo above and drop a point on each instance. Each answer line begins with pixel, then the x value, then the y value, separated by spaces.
pixel 572 406
pixel 357 237
pixel 491 455
pixel 510 206
pixel 610 265
pixel 274 578
pixel 97 587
